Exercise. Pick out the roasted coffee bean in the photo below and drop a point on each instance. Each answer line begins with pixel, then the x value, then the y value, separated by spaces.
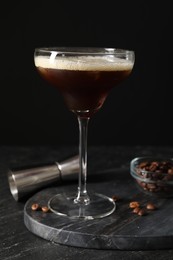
pixel 170 171
pixel 136 210
pixel 115 198
pixel 153 167
pixel 150 206
pixel 45 209
pixel 141 212
pixel 155 172
pixel 134 204
pixel 35 206
pixel 143 165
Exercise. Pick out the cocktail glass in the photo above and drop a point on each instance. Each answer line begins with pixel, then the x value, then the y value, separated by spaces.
pixel 84 77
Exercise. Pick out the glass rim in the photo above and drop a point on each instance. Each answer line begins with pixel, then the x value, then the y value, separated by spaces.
pixel 84 50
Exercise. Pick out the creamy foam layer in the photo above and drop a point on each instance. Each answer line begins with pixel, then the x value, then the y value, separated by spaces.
pixel 84 63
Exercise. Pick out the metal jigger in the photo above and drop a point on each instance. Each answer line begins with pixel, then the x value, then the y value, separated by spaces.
pixel 23 181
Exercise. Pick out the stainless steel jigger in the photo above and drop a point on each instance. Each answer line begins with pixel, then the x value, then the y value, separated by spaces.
pixel 23 181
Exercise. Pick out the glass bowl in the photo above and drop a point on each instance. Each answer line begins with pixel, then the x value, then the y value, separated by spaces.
pixel 153 175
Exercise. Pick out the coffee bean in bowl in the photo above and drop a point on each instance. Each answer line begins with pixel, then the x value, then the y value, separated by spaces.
pixel 153 175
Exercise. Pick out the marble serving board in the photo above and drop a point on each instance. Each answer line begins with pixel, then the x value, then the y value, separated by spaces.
pixel 123 230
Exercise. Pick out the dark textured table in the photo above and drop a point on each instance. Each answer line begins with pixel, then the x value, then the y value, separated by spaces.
pixel 17 242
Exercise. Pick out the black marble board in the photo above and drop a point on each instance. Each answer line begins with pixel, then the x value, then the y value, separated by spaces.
pixel 123 230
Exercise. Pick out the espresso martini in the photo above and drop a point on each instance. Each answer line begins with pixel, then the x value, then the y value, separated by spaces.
pixel 84 81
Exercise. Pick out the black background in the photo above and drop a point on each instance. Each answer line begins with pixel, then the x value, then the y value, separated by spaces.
pixel 139 111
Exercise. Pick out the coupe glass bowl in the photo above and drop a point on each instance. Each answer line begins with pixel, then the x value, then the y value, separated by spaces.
pixel 153 175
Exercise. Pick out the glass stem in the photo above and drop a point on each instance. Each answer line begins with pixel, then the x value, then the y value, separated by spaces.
pixel 82 196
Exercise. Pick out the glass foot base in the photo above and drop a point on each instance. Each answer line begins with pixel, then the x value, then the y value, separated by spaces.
pixel 100 206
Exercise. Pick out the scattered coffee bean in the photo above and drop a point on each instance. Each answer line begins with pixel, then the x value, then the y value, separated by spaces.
pixel 45 209
pixel 115 198
pixel 141 212
pixel 35 206
pixel 170 171
pixel 134 204
pixel 150 206
pixel 136 210
pixel 142 209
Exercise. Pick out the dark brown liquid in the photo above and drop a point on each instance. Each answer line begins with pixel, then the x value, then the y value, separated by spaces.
pixel 84 92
